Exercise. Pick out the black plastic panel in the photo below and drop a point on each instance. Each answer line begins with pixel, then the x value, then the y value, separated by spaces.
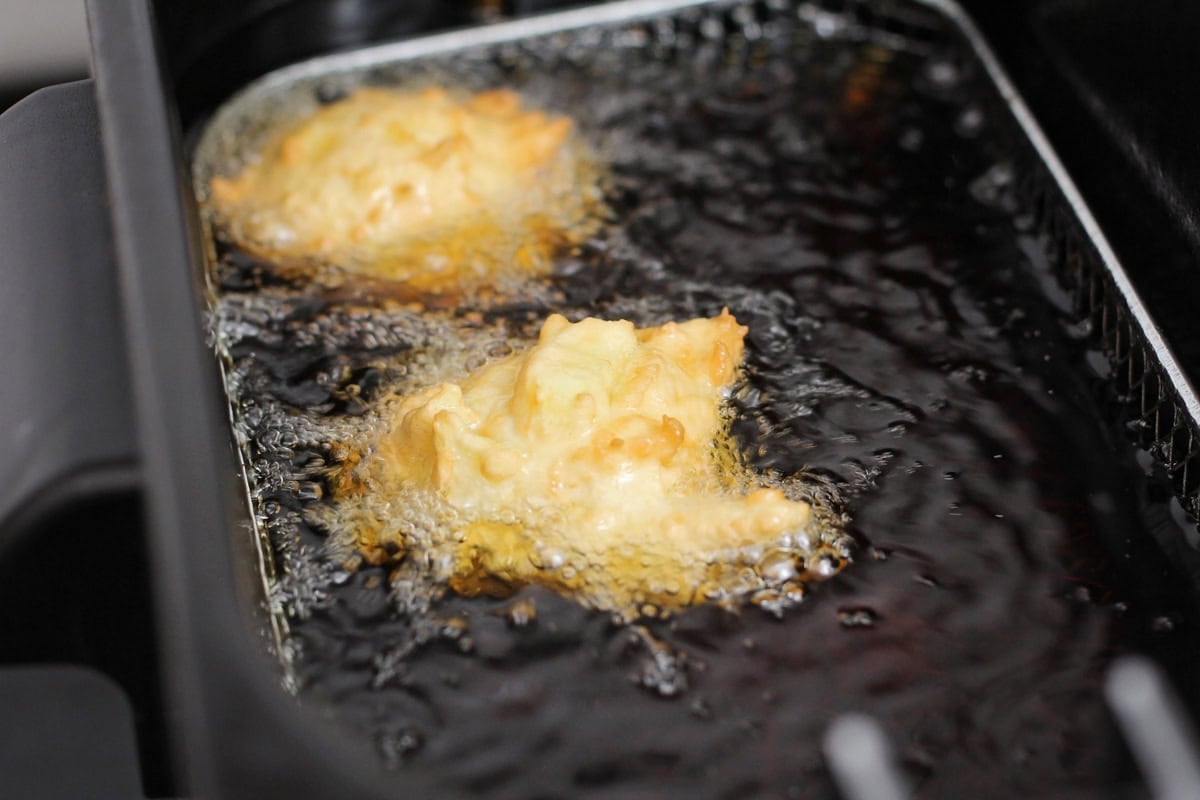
pixel 67 735
pixel 65 397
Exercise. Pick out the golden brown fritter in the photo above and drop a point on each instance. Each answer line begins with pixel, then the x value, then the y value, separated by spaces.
pixel 597 462
pixel 434 189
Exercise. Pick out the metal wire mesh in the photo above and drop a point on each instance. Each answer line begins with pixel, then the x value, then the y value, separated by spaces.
pixel 1144 393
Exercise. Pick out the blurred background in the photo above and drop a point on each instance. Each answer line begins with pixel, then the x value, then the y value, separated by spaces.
pixel 41 42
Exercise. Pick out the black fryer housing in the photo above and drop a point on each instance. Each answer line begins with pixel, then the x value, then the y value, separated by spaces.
pixel 112 402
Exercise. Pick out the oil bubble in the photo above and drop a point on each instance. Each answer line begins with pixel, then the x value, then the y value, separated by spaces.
pixel 859 617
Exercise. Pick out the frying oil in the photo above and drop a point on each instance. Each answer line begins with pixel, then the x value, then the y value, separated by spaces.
pixel 853 202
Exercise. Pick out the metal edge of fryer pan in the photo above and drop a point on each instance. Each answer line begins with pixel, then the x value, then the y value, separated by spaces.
pixel 363 59
pixel 596 15
pixel 1108 257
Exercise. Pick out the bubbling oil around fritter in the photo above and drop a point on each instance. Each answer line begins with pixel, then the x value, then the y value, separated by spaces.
pixel 598 463
pixel 437 190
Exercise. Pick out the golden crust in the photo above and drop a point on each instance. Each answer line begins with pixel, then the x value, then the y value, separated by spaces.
pixel 430 188
pixel 597 463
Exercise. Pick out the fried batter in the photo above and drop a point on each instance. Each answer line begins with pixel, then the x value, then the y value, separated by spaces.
pixel 433 189
pixel 598 463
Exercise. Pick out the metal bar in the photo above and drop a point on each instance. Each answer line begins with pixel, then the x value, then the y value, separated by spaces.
pixel 860 758
pixel 1159 736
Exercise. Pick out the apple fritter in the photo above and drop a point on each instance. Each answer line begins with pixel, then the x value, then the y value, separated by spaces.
pixel 598 463
pixel 431 188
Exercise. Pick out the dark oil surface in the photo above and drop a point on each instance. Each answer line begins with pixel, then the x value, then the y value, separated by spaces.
pixel 853 204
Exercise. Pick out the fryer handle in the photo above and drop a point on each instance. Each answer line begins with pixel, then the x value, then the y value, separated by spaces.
pixel 66 428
